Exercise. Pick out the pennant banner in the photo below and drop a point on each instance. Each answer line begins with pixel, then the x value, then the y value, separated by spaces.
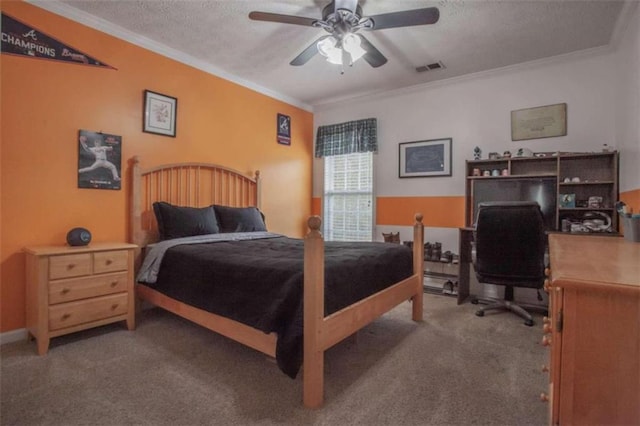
pixel 19 38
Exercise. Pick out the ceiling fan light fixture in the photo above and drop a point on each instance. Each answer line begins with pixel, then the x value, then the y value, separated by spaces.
pixel 351 43
pixel 327 48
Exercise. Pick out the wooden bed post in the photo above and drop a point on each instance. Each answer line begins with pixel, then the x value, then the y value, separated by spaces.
pixel 258 190
pixel 136 210
pixel 418 266
pixel 313 362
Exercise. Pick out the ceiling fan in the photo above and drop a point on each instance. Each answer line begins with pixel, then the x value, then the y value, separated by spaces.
pixel 342 19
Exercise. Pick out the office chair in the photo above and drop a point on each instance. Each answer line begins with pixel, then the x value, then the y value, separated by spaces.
pixel 510 245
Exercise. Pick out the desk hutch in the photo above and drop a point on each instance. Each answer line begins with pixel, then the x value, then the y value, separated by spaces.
pixel 597 173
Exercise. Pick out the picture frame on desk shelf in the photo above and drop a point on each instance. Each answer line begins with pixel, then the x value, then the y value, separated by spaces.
pixel 428 158
pixel 567 201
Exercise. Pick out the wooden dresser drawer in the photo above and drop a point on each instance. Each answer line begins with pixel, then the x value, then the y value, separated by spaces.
pixel 82 288
pixel 110 261
pixel 69 289
pixel 69 265
pixel 83 311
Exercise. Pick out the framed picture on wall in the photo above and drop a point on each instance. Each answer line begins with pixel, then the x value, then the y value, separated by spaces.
pixel 284 129
pixel 159 114
pixel 99 160
pixel 539 122
pixel 427 158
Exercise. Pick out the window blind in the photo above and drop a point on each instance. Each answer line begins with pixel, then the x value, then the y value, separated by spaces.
pixel 348 197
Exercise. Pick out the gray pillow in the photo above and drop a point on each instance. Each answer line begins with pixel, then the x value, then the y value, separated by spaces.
pixel 178 221
pixel 239 219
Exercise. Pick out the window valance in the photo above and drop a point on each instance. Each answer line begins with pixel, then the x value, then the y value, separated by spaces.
pixel 347 138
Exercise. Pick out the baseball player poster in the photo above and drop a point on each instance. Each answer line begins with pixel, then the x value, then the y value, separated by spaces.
pixel 99 160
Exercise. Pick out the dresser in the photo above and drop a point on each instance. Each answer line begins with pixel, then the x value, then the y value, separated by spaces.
pixel 74 288
pixel 593 331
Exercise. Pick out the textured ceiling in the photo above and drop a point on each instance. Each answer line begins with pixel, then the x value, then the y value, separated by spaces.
pixel 471 36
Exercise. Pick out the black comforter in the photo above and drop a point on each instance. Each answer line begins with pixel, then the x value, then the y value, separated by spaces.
pixel 260 282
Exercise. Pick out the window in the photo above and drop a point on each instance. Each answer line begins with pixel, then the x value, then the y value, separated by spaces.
pixel 348 197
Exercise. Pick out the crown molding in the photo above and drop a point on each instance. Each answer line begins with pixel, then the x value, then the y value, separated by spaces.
pixel 524 66
pixel 104 26
pixel 626 15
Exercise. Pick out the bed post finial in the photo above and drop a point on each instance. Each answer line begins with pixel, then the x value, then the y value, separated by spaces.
pixel 314 223
pixel 419 217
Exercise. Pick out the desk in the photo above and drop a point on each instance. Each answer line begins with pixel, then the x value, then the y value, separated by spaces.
pixel 593 331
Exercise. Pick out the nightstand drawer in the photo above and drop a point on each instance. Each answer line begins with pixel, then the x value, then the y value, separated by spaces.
pixel 83 288
pixel 69 265
pixel 110 261
pixel 83 311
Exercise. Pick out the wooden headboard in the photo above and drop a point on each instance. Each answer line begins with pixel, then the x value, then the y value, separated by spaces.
pixel 185 184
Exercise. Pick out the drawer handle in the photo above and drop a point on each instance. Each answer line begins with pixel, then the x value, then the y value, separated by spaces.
pixel 114 306
pixel 71 266
pixel 108 262
pixel 544 397
pixel 114 283
pixel 545 369
pixel 65 316
pixel 65 291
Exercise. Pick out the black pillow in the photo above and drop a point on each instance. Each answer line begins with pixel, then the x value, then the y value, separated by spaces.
pixel 240 219
pixel 178 221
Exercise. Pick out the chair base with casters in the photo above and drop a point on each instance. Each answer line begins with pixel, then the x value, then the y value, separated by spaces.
pixel 507 304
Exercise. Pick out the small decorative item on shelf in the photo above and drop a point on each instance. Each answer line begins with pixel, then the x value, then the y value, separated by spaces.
pixel 391 237
pixel 506 154
pixel 505 172
pixel 495 172
pixel 595 202
pixel 477 153
pixel 494 156
pixel 476 172
pixel 524 152
pixel 567 201
pixel 607 148
pixel 486 173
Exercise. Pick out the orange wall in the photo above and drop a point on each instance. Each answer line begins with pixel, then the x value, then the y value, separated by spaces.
pixel 631 199
pixel 45 103
pixel 440 212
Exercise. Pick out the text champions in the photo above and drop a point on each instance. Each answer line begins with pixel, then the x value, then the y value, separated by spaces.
pixel 29 46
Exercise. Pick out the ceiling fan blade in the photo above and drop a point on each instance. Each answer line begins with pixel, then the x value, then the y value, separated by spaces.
pixel 284 19
pixel 373 55
pixel 406 18
pixel 307 53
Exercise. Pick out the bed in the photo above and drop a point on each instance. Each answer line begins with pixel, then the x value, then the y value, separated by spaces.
pixel 319 327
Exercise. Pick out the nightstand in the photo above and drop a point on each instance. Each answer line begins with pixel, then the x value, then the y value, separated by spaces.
pixel 74 288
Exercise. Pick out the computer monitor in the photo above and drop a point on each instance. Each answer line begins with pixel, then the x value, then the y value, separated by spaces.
pixel 541 190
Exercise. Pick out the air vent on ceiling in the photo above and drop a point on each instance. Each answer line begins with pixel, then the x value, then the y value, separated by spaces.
pixel 431 67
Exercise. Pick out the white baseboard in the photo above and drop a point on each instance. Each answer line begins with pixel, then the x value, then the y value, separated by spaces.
pixel 13 336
